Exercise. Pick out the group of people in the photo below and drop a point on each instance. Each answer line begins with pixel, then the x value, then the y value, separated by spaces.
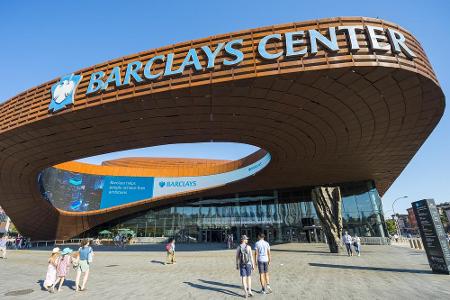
pixel 60 263
pixel 121 240
pixel 246 261
pixel 352 242
pixel 230 240
pixel 19 242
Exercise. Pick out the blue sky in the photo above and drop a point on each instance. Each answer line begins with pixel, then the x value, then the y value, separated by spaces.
pixel 44 40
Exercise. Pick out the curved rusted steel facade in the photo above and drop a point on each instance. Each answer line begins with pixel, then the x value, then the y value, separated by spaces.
pixel 324 118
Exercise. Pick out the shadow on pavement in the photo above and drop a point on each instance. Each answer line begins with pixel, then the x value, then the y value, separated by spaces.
pixel 299 251
pixel 220 283
pixel 67 283
pixel 211 288
pixel 157 262
pixel 370 268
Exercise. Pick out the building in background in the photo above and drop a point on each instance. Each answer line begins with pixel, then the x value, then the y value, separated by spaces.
pixel 444 212
pixel 403 223
pixel 5 222
pixel 412 221
pixel 285 214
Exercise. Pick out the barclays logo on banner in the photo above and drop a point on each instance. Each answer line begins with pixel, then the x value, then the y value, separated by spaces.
pixel 63 92
pixel 178 183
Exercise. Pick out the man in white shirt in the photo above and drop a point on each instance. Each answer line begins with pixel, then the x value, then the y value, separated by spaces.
pixel 347 239
pixel 263 258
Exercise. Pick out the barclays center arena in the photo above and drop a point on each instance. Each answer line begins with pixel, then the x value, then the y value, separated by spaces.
pixel 282 214
pixel 344 102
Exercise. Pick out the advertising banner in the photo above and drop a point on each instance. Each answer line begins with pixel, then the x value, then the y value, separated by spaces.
pixel 119 190
pixel 172 185
pixel 80 192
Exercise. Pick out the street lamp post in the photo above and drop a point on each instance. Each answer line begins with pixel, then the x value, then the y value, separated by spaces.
pixel 396 217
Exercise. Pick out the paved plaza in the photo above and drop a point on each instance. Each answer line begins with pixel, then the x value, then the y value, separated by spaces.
pixel 299 271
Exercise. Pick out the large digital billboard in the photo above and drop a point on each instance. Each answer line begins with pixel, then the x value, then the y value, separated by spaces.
pixel 79 192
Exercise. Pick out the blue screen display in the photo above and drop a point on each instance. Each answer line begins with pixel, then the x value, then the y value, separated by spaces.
pixel 119 190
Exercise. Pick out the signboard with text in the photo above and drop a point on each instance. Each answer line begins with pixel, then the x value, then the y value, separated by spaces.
pixel 433 235
pixel 230 54
pixel 119 190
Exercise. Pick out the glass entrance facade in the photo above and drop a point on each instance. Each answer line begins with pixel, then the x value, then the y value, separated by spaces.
pixel 283 215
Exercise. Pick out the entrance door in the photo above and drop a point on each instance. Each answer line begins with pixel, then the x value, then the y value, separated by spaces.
pixel 212 236
pixel 203 236
pixel 313 234
pixel 270 234
pixel 217 236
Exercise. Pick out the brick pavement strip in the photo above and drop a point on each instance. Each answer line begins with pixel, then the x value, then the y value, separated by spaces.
pixel 299 271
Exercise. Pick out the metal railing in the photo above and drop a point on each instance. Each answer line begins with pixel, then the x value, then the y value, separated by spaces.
pixel 414 243
pixel 375 241
pixel 54 243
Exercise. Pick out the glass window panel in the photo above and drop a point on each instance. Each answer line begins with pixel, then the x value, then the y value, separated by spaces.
pixel 364 202
pixel 349 204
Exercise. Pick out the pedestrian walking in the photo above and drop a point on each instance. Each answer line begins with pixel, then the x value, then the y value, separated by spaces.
pixel 117 240
pixel 63 266
pixel 396 238
pixel 86 258
pixel 124 241
pixel 50 278
pixel 245 264
pixel 170 252
pixel 3 242
pixel 17 242
pixel 357 245
pixel 347 239
pixel 230 241
pixel 263 258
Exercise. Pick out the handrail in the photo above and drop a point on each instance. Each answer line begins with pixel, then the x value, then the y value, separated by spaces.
pixel 375 241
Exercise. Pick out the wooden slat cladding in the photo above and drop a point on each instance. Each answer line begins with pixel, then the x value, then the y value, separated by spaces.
pixel 161 167
pixel 33 104
pixel 324 118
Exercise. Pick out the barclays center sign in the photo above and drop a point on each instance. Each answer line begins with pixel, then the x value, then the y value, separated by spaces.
pixel 295 44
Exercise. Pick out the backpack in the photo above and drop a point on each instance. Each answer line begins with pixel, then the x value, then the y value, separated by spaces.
pixel 244 256
pixel 168 247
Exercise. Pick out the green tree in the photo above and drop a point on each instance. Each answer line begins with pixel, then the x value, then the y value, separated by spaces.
pixel 13 229
pixel 391 227
pixel 444 218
